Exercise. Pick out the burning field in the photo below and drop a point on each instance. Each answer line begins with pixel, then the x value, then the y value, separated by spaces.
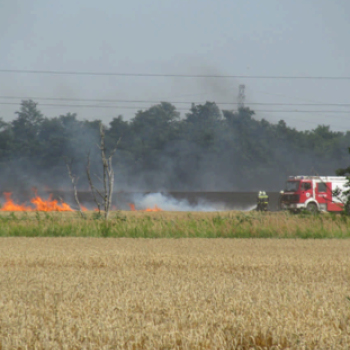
pixel 174 294
pixel 38 204
pixel 173 201
pixel 145 202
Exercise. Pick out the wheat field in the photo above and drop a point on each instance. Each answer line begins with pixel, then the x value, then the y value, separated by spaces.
pixel 91 293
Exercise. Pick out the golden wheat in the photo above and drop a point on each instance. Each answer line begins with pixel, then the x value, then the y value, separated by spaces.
pixel 88 293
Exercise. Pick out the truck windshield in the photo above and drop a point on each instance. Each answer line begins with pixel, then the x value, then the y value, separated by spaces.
pixel 292 186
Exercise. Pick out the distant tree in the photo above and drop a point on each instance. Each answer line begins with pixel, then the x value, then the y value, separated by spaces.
pixel 201 124
pixel 118 128
pixel 26 128
pixel 3 125
pixel 203 114
pixel 53 138
pixel 5 140
pixel 232 149
pixel 151 130
pixel 346 193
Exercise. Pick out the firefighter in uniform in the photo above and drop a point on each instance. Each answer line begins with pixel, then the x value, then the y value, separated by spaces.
pixel 262 201
pixel 280 205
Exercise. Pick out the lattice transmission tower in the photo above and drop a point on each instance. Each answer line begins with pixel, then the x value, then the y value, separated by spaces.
pixel 241 96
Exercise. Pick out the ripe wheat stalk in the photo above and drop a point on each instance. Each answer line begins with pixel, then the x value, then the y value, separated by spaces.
pixel 74 293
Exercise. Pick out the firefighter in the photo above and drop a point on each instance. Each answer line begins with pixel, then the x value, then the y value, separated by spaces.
pixel 259 200
pixel 280 205
pixel 263 201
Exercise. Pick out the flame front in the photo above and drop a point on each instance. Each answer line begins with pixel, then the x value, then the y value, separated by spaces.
pixel 155 208
pixel 11 206
pixel 39 204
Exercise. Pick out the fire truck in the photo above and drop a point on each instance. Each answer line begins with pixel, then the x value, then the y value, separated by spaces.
pixel 314 193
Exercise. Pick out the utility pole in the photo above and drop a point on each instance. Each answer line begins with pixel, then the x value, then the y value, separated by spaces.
pixel 241 96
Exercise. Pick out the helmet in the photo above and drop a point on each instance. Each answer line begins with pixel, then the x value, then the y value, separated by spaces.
pixel 260 193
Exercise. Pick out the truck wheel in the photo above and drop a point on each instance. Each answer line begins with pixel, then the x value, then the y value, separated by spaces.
pixel 312 207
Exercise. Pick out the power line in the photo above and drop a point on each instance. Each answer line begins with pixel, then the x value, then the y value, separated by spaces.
pixel 54 72
pixel 158 101
pixel 283 95
pixel 183 109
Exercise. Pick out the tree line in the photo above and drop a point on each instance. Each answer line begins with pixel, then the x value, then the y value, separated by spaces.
pixel 207 149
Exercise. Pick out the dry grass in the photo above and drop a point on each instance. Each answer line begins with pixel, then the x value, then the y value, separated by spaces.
pixel 88 293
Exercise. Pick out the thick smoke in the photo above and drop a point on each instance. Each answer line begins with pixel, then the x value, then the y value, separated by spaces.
pixel 169 203
pixel 207 150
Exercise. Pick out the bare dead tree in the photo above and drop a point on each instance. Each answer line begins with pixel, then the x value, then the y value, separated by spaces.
pixel 107 175
pixel 92 187
pixel 74 180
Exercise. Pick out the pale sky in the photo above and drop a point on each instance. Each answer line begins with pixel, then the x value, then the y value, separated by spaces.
pixel 222 37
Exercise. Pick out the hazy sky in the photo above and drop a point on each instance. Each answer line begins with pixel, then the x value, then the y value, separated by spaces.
pixel 222 37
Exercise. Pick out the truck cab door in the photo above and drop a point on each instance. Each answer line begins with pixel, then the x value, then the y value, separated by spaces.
pixel 305 191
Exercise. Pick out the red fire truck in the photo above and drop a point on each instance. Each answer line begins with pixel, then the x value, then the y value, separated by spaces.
pixel 314 193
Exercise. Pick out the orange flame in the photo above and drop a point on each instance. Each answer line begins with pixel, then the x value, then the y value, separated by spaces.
pixel 84 208
pixel 11 206
pixel 39 204
pixel 132 207
pixel 155 208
